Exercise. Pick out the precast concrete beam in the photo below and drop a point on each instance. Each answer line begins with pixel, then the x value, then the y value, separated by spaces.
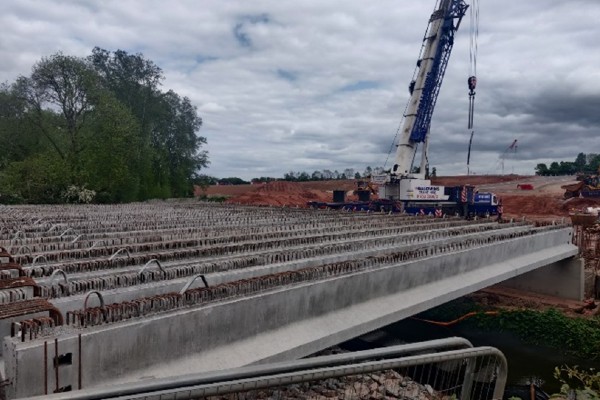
pixel 378 246
pixel 284 323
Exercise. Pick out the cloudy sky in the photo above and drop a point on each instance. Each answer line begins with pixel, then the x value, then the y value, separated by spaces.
pixel 314 84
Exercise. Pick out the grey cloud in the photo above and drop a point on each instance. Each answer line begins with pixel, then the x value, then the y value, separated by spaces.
pixel 283 86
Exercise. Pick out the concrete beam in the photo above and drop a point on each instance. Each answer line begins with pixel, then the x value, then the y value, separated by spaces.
pixel 286 323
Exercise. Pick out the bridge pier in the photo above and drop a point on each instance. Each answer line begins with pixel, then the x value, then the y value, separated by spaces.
pixel 564 279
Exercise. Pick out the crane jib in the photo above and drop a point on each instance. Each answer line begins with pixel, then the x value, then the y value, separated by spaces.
pixel 455 11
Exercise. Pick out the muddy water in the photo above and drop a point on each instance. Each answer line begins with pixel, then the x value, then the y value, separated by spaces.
pixel 525 362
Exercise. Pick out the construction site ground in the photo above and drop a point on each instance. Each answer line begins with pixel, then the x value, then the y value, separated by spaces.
pixel 544 202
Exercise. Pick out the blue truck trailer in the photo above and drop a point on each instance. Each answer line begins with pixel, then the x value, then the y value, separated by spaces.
pixel 463 201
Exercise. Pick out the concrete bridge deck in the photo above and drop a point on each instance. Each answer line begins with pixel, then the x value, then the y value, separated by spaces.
pixel 282 283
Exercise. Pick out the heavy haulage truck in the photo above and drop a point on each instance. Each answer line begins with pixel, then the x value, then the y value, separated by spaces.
pixel 433 200
pixel 402 189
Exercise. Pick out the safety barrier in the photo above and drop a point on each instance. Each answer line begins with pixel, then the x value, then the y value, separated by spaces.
pixel 450 368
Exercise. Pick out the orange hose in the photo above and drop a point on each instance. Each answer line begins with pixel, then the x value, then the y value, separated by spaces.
pixel 468 315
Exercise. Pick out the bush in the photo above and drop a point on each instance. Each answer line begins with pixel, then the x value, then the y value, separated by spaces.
pixel 585 384
pixel 213 199
pixel 11 198
pixel 79 195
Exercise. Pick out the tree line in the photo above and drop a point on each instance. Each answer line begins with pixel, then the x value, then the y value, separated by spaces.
pixel 97 128
pixel 583 164
pixel 303 176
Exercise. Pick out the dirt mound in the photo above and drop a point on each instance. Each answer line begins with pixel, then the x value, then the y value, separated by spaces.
pixel 533 205
pixel 282 187
pixel 228 190
pixel 280 193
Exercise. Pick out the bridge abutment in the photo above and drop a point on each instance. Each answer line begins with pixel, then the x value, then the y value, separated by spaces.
pixel 564 279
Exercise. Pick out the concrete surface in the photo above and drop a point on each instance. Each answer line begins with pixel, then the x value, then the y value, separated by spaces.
pixel 284 323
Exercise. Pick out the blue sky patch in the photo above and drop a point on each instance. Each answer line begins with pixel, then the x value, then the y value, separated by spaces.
pixel 287 75
pixel 360 85
pixel 200 58
pixel 239 32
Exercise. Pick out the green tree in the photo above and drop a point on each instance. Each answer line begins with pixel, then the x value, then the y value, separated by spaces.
pixel 580 162
pixel 593 163
pixel 566 168
pixel 233 181
pixel 176 141
pixel 112 151
pixel 17 140
pixel 40 179
pixel 66 84
pixel 541 169
pixel 168 123
pixel 100 123
pixel 204 180
pixel 303 177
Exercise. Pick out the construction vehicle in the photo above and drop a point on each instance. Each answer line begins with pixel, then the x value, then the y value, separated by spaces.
pixel 364 190
pixel 401 188
pixel 410 190
pixel 588 186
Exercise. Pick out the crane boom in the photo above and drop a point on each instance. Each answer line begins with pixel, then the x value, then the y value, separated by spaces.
pixel 435 52
pixel 401 190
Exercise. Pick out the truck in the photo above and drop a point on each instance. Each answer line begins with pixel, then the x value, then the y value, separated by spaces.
pixel 404 187
pixel 434 200
pixel 588 186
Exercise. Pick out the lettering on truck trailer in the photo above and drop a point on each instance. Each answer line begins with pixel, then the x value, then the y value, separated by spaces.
pixel 486 198
pixel 429 193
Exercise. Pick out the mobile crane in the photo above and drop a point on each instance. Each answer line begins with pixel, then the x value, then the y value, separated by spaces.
pixel 409 190
pixel 401 188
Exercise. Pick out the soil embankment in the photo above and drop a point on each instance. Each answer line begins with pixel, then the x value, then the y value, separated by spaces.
pixel 543 201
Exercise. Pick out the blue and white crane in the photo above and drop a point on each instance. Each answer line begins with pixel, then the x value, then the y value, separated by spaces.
pixel 403 187
pixel 401 181
pixel 404 183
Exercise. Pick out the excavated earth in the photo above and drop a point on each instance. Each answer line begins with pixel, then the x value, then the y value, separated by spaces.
pixel 544 202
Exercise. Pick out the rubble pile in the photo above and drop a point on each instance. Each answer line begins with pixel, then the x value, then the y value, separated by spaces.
pixel 383 385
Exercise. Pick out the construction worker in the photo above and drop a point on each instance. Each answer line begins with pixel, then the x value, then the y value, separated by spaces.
pixel 500 211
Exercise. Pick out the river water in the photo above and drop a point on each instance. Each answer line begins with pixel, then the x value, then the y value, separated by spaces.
pixel 526 362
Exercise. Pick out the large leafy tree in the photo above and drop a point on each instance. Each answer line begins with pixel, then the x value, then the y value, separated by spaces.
pixel 16 140
pixel 99 122
pixel 64 85
pixel 174 137
pixel 112 152
pixel 168 123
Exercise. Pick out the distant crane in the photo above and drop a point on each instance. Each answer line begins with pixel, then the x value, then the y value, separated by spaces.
pixel 512 149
